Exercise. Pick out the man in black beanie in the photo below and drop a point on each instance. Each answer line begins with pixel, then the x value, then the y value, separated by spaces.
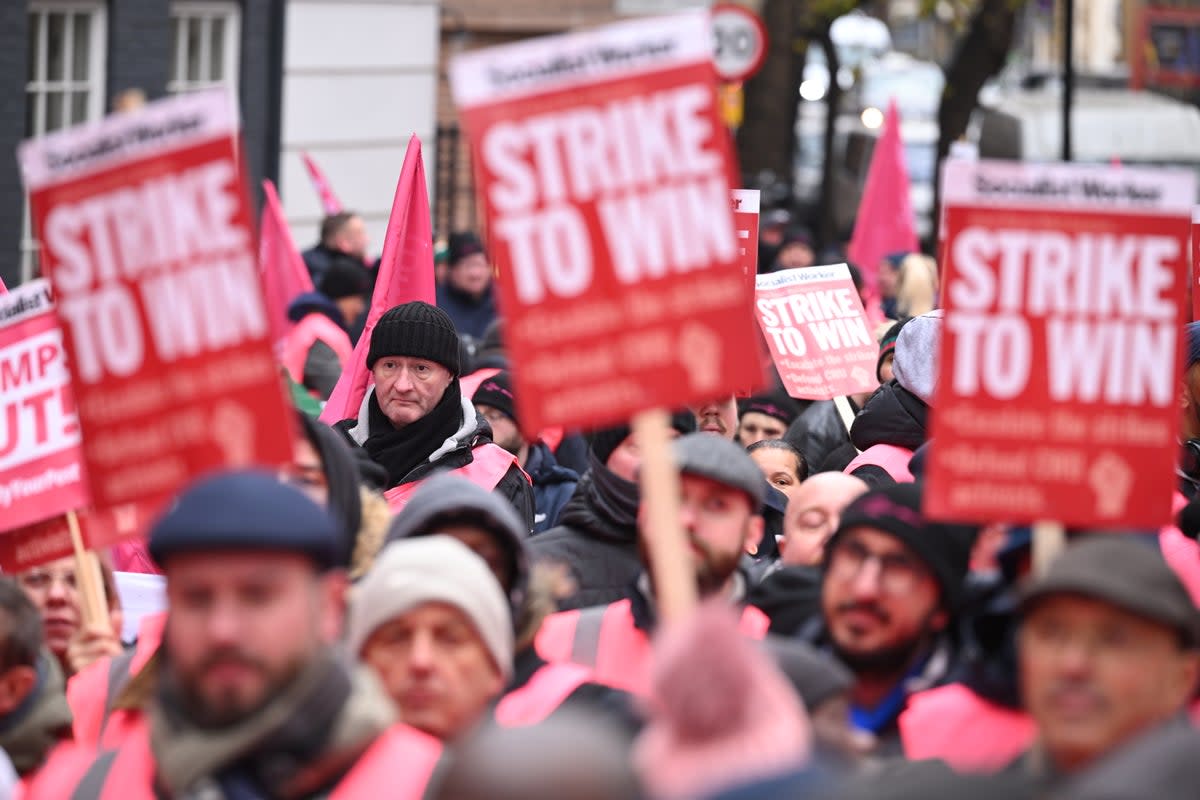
pixel 892 584
pixel 596 538
pixel 553 484
pixel 414 421
pixel 467 295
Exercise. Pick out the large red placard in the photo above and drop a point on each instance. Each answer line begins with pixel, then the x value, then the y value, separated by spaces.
pixel 606 176
pixel 147 238
pixel 1060 359
pixel 41 468
pixel 817 331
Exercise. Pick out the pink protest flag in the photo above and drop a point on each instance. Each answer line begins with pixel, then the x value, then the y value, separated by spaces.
pixel 283 272
pixel 329 202
pixel 405 274
pixel 3 288
pixel 885 222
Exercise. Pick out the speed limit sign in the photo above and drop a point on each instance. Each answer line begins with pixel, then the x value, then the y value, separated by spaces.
pixel 739 42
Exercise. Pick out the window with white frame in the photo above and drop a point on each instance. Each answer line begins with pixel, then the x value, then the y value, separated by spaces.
pixel 64 80
pixel 204 50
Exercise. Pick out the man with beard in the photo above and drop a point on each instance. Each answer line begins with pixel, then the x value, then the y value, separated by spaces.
pixel 415 422
pixel 250 697
pixel 892 584
pixel 553 484
pixel 721 494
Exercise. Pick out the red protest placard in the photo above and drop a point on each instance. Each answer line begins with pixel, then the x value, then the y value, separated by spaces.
pixel 41 470
pixel 745 221
pixel 816 329
pixel 606 176
pixel 146 236
pixel 50 539
pixel 1061 351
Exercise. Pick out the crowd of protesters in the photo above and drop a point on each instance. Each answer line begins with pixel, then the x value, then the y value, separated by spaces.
pixel 430 602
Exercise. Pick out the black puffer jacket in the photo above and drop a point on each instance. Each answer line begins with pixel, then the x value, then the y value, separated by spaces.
pixel 892 416
pixel 818 432
pixel 596 538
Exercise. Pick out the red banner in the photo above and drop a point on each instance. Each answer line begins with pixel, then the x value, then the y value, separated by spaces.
pixel 41 470
pixel 147 238
pixel 816 329
pixel 606 175
pixel 1062 347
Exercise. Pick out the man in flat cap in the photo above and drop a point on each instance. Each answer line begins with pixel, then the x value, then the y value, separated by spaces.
pixel 251 697
pixel 1108 654
pixel 721 496
pixel 415 421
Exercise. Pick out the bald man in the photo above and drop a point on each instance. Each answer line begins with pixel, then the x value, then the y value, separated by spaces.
pixel 792 593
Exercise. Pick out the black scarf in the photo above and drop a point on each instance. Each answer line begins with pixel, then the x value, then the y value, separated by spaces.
pixel 401 451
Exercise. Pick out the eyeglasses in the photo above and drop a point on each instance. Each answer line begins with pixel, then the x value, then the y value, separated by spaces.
pixel 898 574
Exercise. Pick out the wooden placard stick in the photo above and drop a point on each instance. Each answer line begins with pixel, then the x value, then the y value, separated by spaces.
pixel 671 561
pixel 93 604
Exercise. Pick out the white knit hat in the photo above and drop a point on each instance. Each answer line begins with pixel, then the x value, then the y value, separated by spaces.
pixel 432 569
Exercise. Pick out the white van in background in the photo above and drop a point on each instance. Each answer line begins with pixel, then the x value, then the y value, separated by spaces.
pixel 1107 125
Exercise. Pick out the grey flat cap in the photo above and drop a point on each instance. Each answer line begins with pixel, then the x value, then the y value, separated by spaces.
pixel 1124 572
pixel 710 456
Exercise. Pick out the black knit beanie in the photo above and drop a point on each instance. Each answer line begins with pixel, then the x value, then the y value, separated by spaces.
pixel 945 548
pixel 604 441
pixel 497 392
pixel 416 330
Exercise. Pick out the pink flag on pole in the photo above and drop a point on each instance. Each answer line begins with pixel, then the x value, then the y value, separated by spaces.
pixel 283 272
pixel 885 222
pixel 3 288
pixel 405 274
pixel 329 201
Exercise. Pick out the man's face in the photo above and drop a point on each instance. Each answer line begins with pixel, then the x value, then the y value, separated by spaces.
pixel 409 388
pixel 352 238
pixel 795 255
pixel 755 427
pixel 780 469
pixel 1093 675
pixel 889 276
pixel 504 430
pixel 814 513
pixel 718 416
pixel 242 625
pixel 484 545
pixel 471 274
pixel 626 459
pixel 718 522
pixel 436 668
pixel 886 371
pixel 52 589
pixel 880 602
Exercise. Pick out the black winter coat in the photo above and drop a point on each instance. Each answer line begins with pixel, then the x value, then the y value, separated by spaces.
pixel 596 539
pixel 553 486
pixel 892 416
